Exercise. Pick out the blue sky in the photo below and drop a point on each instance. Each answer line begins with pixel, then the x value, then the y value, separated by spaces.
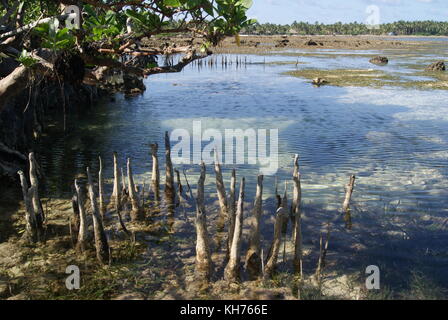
pixel 330 11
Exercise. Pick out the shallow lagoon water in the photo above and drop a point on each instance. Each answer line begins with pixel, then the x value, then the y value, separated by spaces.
pixel 394 140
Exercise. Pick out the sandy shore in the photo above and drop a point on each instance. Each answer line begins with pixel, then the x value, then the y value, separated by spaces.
pixel 259 44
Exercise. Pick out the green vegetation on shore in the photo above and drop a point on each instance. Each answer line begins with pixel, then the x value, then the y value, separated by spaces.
pixel 422 28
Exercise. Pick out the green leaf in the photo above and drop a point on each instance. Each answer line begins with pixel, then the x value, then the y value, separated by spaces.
pixel 171 3
pixel 246 3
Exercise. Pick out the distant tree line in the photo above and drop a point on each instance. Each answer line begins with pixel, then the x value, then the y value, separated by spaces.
pixel 424 28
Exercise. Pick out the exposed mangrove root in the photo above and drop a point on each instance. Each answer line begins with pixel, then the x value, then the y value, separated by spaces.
pixel 232 212
pixel 284 205
pixel 296 217
pixel 203 255
pixel 296 193
pixel 298 251
pixel 101 244
pixel 32 232
pixel 34 214
pixel 221 190
pixel 253 259
pixel 276 243
pixel 277 195
pixel 74 219
pixel 101 189
pixel 180 198
pixel 36 203
pixel 170 192
pixel 232 270
pixel 155 176
pixel 136 211
pixel 348 194
pixel 115 200
pixel 81 244
pixel 322 255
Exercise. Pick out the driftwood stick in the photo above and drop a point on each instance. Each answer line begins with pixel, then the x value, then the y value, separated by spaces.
pixel 101 188
pixel 30 217
pixel 220 188
pixel 232 270
pixel 298 251
pixel 253 259
pixel 203 255
pixel 155 176
pixel 276 243
pixel 348 194
pixel 232 211
pixel 101 244
pixel 136 212
pixel 169 173
pixel 81 244
pixel 116 193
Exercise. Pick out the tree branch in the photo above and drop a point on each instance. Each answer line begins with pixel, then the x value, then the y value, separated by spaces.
pixel 32 25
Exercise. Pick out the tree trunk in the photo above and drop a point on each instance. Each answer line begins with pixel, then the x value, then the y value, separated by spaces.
pixel 232 270
pixel 253 259
pixel 203 256
pixel 101 245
